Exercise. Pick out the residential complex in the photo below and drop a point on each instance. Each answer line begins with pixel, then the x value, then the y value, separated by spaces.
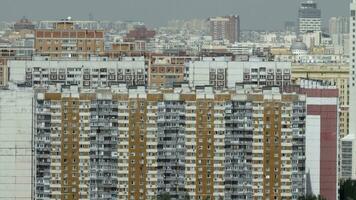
pixel 225 28
pixel 201 143
pixel 195 109
pixel 332 74
pixel 66 41
pixel 321 138
pixel 222 73
pixel 86 74
pixel 348 144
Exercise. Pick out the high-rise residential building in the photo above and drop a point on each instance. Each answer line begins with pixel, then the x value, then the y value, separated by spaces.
pixel 348 144
pixel 198 143
pixel 65 40
pixel 85 74
pixel 16 155
pixel 309 17
pixel 333 74
pixel 339 25
pixel 165 71
pixel 222 73
pixel 225 28
pixel 140 32
pixel 321 137
pixel 339 28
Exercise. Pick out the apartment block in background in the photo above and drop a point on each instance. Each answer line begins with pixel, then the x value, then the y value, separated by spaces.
pixel 331 74
pixel 85 74
pixel 165 71
pixel 225 28
pixel 139 144
pixel 223 73
pixel 65 41
pixel 3 73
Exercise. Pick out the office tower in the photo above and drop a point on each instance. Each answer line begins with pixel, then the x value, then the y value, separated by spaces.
pixel 309 17
pixel 348 144
pixel 65 40
pixel 16 153
pixel 85 74
pixel 225 28
pixel 136 143
pixel 321 137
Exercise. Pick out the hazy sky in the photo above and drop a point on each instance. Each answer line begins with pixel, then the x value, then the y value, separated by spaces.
pixel 255 14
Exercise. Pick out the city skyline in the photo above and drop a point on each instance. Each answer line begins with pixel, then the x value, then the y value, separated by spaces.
pixel 251 12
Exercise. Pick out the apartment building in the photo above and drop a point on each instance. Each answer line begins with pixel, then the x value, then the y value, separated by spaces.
pixel 3 73
pixel 85 74
pixel 348 144
pixel 65 40
pixel 164 71
pixel 333 74
pixel 223 73
pixel 225 28
pixel 16 155
pixel 199 143
pixel 321 137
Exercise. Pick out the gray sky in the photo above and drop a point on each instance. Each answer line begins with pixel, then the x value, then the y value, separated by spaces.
pixel 255 14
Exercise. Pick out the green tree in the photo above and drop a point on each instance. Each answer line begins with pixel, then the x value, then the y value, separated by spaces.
pixel 347 190
pixel 311 197
pixel 164 196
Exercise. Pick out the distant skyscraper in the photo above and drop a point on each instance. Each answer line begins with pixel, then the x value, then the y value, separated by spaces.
pixel 309 17
pixel 348 144
pixel 225 28
pixel 339 25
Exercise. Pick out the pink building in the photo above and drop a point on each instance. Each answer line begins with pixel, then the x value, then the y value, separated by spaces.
pixel 321 138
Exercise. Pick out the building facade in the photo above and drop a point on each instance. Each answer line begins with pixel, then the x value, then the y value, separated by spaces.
pixel 333 74
pixel 200 144
pixel 225 28
pixel 222 73
pixel 16 151
pixel 67 41
pixel 85 74
pixel 165 71
pixel 321 138
pixel 348 144
pixel 309 17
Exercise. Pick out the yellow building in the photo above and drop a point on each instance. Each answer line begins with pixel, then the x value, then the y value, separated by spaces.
pixel 338 75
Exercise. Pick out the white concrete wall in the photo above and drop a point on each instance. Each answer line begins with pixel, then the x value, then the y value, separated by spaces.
pixel 15 144
pixel 312 152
